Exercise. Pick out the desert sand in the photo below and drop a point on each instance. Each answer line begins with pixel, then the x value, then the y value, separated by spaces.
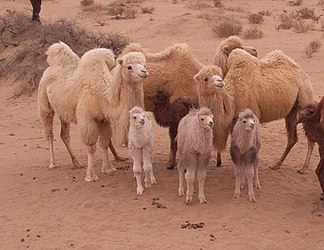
pixel 45 208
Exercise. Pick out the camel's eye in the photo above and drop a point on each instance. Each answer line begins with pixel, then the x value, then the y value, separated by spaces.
pixel 134 117
pixel 202 119
pixel 129 67
pixel 205 79
pixel 244 121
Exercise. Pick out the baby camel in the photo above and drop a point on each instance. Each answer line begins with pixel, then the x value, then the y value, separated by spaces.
pixel 140 144
pixel 312 118
pixel 245 146
pixel 195 139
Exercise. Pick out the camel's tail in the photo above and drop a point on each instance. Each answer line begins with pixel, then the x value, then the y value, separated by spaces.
pixel 60 54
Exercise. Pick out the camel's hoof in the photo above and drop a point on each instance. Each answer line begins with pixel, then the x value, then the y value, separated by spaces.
pixel 203 202
pixel 275 167
pixel 53 165
pixel 77 165
pixel 118 158
pixel 236 195
pixel 108 170
pixel 92 178
pixel 140 191
pixel 153 180
pixel 303 171
pixel 252 199
pixel 188 201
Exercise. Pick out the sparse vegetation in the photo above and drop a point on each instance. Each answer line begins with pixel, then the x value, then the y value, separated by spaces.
pixel 130 12
pixel 253 33
pixel 306 13
pixel 218 4
pixel 116 9
pixel 256 18
pixel 302 27
pixel 86 2
pixel 94 7
pixel 286 22
pixel 29 41
pixel 265 12
pixel 228 28
pixel 312 47
pixel 147 10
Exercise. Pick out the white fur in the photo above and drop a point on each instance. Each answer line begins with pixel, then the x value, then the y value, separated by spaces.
pixel 140 144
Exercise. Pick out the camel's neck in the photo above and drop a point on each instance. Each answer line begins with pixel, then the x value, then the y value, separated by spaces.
pixel 220 101
pixel 204 141
pixel 245 140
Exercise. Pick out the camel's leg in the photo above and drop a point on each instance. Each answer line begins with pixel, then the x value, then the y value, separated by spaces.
pixel 256 173
pixel 190 177
pixel 91 173
pixel 104 142
pixel 201 176
pixel 89 132
pixel 114 152
pixel 238 171
pixel 173 147
pixel 137 168
pixel 181 176
pixel 47 119
pixel 249 174
pixel 219 160
pixel 65 136
pixel 320 171
pixel 147 166
pixel 304 169
pixel 291 127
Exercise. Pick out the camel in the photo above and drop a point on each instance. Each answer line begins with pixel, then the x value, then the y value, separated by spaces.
pixel 95 98
pixel 259 84
pixel 172 69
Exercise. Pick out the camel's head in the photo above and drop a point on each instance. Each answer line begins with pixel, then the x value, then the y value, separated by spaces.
pixel 160 97
pixel 137 117
pixel 247 120
pixel 133 66
pixel 309 113
pixel 210 78
pixel 206 118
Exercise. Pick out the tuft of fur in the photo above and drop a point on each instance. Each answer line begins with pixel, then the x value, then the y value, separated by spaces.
pixel 245 146
pixel 169 115
pixel 194 139
pixel 140 145
pixel 312 117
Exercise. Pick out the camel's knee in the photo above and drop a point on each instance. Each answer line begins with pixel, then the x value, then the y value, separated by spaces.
pixel 91 149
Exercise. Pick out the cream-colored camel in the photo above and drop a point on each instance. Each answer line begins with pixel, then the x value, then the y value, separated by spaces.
pixel 274 87
pixel 95 98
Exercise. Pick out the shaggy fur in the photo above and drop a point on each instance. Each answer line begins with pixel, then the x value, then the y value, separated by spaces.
pixel 169 115
pixel 62 63
pixel 211 94
pixel 195 138
pixel 140 145
pixel 259 85
pixel 245 146
pixel 226 47
pixel 95 98
pixel 312 118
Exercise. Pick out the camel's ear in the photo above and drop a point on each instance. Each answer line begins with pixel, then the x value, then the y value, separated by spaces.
pixel 225 49
pixel 120 61
pixel 196 78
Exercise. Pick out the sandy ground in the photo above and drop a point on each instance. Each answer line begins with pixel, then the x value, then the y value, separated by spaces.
pixel 56 209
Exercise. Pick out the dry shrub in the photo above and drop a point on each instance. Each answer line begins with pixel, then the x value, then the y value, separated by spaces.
pixel 94 7
pixel 256 18
pixel 306 13
pixel 295 2
pixel 218 4
pixel 147 10
pixel 86 2
pixel 265 12
pixel 227 28
pixel 302 27
pixel 23 44
pixel 286 22
pixel 253 33
pixel 130 12
pixel 312 47
pixel 116 9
